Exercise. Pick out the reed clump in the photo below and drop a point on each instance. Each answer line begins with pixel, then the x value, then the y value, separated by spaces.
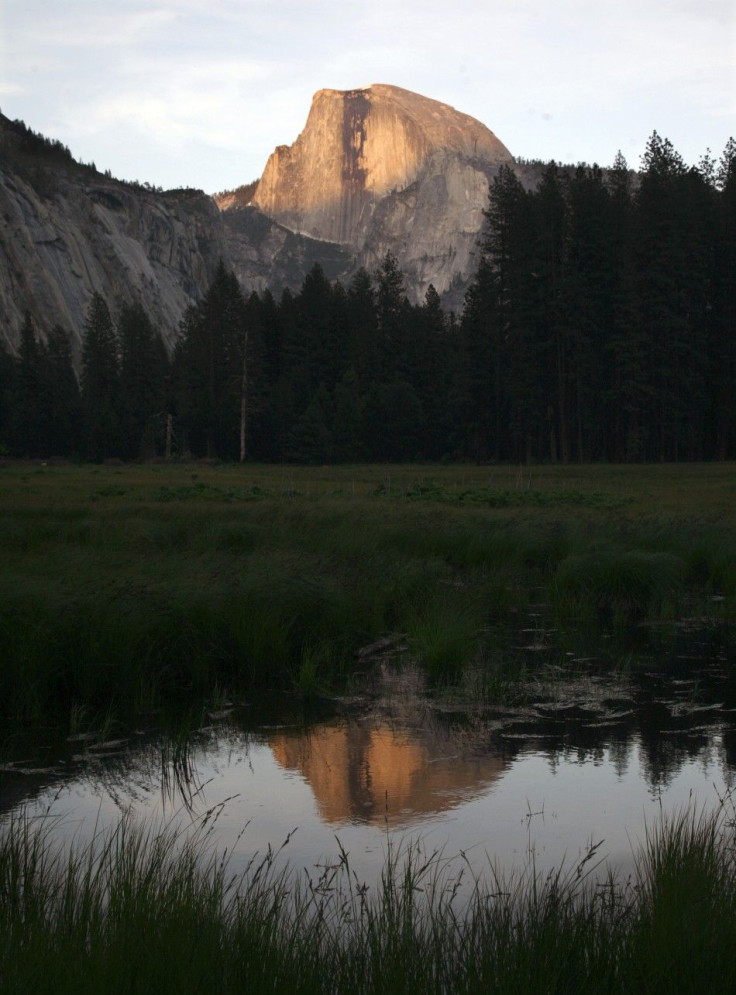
pixel 156 909
pixel 638 582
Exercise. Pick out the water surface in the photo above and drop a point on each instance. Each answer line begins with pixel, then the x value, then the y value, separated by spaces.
pixel 591 758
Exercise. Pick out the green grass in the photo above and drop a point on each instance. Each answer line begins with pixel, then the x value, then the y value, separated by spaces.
pixel 157 910
pixel 124 586
pixel 445 634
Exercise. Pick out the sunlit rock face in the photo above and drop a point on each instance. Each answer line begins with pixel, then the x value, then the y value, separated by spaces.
pixel 375 170
pixel 376 772
pixel 383 169
pixel 357 147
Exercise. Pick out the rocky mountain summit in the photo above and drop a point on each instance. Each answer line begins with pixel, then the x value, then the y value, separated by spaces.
pixel 382 169
pixel 375 170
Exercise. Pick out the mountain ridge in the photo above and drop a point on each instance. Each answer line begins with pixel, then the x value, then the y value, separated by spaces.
pixel 379 169
pixel 67 231
pixel 410 176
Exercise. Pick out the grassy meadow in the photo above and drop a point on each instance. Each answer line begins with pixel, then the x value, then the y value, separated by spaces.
pixel 127 586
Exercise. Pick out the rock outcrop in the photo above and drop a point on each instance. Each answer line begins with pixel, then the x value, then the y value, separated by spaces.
pixel 67 231
pixel 375 170
pixel 266 254
pixel 381 169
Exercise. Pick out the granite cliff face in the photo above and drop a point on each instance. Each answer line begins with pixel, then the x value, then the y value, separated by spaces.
pixel 266 254
pixel 375 170
pixel 381 169
pixel 67 231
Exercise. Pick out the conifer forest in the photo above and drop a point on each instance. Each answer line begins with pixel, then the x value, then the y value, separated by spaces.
pixel 600 325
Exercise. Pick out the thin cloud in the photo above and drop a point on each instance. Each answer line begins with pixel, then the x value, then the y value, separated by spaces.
pixel 164 87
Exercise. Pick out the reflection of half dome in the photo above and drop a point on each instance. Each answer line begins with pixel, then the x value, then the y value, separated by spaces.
pixel 363 772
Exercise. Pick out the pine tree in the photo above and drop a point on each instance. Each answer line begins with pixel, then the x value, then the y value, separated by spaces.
pixel 7 379
pixel 722 344
pixel 317 330
pixel 309 439
pixel 668 277
pixel 263 312
pixel 29 419
pixel 431 369
pixel 504 351
pixel 392 313
pixel 252 379
pixel 625 358
pixel 208 364
pixel 551 332
pixel 144 371
pixel 61 390
pixel 480 376
pixel 587 302
pixel 100 383
pixel 364 353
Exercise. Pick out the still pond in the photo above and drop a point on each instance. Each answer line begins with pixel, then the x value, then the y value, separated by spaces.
pixel 577 758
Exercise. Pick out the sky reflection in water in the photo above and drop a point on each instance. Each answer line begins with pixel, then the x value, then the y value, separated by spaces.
pixel 546 780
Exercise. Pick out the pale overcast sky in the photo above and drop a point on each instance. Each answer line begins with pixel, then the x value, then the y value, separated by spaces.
pixel 199 92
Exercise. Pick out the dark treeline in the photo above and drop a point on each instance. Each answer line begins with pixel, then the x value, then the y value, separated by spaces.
pixel 600 325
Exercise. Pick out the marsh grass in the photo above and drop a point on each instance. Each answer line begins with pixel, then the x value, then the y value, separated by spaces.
pixel 686 881
pixel 445 635
pixel 634 583
pixel 176 579
pixel 156 909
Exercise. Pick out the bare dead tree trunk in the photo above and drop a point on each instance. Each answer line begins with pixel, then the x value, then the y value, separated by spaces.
pixel 169 433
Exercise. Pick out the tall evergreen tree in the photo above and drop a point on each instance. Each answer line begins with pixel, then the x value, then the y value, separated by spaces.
pixel 551 331
pixel 480 376
pixel 100 383
pixel 364 353
pixel 722 344
pixel 253 388
pixel 431 368
pixel 587 301
pixel 7 378
pixel 61 390
pixel 264 312
pixel 209 368
pixel 504 356
pixel 316 331
pixel 392 313
pixel 144 370
pixel 626 392
pixel 30 418
pixel 669 282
